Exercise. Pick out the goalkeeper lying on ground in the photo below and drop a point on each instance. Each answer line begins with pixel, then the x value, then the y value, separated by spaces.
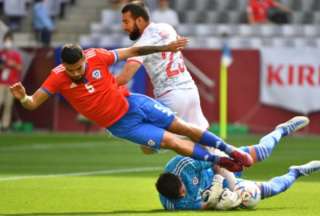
pixel 192 184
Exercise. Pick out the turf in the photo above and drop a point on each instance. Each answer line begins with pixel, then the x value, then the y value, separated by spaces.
pixel 68 174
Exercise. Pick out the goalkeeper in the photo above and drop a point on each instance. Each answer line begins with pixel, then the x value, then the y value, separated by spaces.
pixel 188 183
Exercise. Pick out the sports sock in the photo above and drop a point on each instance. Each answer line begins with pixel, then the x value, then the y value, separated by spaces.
pixel 209 139
pixel 200 153
pixel 278 184
pixel 266 145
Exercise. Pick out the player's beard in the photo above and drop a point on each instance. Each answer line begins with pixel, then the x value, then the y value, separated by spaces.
pixel 79 80
pixel 135 34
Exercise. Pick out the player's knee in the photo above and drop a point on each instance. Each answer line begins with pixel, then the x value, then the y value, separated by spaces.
pixel 189 130
pixel 169 141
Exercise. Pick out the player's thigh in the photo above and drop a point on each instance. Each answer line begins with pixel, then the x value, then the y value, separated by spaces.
pixel 155 113
pixel 176 101
pixel 183 128
pixel 179 145
pixel 186 105
pixel 143 134
pixel 194 114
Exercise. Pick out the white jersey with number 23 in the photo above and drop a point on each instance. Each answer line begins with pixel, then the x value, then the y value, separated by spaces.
pixel 172 83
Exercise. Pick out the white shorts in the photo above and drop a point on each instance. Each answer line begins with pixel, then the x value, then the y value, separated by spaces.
pixel 186 104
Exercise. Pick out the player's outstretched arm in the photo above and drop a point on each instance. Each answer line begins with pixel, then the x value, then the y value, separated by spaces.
pixel 174 46
pixel 29 102
pixel 128 71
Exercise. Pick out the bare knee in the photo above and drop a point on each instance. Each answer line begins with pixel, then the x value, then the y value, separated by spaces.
pixel 180 146
pixel 169 141
pixel 183 128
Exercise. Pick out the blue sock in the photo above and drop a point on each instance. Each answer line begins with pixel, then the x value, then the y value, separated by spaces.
pixel 200 153
pixel 209 139
pixel 278 184
pixel 267 144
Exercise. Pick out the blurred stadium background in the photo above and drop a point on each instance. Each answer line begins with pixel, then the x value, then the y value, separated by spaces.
pixel 97 23
pixel 274 75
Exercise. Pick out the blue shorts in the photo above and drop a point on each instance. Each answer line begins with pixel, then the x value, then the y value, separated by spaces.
pixel 145 121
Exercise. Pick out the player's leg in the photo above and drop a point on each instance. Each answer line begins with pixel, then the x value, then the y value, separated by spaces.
pixel 206 138
pixel 2 98
pixel 155 137
pixel 186 111
pixel 7 109
pixel 280 184
pixel 162 117
pixel 264 148
pixel 145 112
pixel 146 123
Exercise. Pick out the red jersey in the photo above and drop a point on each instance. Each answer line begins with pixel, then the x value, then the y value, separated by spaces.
pixel 259 9
pixel 100 98
pixel 8 75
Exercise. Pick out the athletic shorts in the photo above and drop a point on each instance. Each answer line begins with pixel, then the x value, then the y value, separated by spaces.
pixel 186 105
pixel 144 123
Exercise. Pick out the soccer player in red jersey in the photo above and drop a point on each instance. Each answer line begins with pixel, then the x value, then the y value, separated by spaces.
pixel 84 80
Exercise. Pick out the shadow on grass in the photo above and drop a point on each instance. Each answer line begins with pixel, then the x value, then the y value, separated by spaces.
pixel 154 211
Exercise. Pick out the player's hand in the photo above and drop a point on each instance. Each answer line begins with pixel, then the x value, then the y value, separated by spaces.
pixel 211 195
pixel 242 158
pixel 230 164
pixel 18 91
pixel 177 45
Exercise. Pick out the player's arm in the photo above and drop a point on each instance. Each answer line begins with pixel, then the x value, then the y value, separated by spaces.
pixel 210 197
pixel 229 176
pixel 174 46
pixel 128 71
pixel 29 102
pixel 250 16
pixel 282 7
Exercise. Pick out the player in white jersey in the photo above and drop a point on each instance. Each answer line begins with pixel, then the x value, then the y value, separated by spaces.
pixel 172 83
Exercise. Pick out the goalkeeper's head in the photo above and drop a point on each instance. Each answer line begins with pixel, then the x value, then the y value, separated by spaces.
pixel 170 186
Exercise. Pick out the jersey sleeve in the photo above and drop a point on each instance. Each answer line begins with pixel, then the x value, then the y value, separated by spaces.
pixel 108 57
pixel 51 84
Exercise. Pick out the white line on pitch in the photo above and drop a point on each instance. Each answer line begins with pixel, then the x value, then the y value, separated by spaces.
pixel 51 146
pixel 114 171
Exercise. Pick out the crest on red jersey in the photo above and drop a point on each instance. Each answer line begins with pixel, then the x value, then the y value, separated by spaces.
pixel 96 74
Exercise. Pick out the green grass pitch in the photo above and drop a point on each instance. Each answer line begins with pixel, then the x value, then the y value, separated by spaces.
pixel 55 175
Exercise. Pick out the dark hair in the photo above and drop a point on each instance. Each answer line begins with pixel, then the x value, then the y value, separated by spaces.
pixel 137 9
pixel 71 53
pixel 169 185
pixel 8 35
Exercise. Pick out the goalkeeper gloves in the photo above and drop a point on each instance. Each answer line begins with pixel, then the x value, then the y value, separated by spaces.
pixel 211 195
